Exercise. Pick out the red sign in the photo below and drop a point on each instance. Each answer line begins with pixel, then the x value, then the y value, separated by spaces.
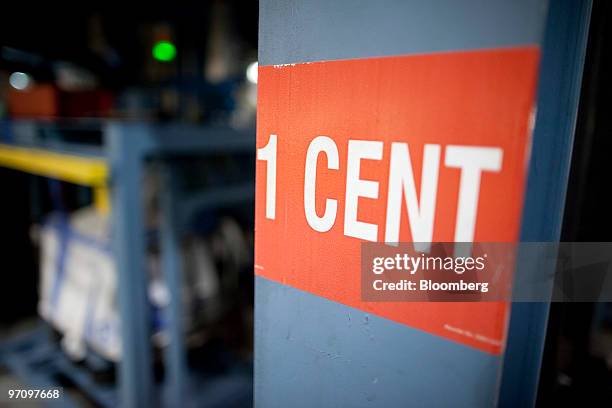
pixel 425 148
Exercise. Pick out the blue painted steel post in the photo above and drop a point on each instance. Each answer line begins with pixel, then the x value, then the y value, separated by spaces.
pixel 563 55
pixel 373 361
pixel 136 388
pixel 174 355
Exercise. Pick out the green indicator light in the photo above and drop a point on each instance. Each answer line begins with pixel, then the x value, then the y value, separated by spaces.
pixel 164 51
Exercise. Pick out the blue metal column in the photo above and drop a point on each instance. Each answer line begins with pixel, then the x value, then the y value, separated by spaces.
pixel 563 55
pixel 136 376
pixel 313 351
pixel 175 354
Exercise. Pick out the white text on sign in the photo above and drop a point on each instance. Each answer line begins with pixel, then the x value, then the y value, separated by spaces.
pixel 472 161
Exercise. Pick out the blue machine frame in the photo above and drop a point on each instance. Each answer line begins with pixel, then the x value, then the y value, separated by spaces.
pixel 126 147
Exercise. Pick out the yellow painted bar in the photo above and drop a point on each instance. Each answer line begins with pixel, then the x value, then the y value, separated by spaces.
pixel 102 199
pixel 86 171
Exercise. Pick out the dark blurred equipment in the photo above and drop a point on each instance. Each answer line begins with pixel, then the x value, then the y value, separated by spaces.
pixel 126 142
pixel 155 270
pixel 185 62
